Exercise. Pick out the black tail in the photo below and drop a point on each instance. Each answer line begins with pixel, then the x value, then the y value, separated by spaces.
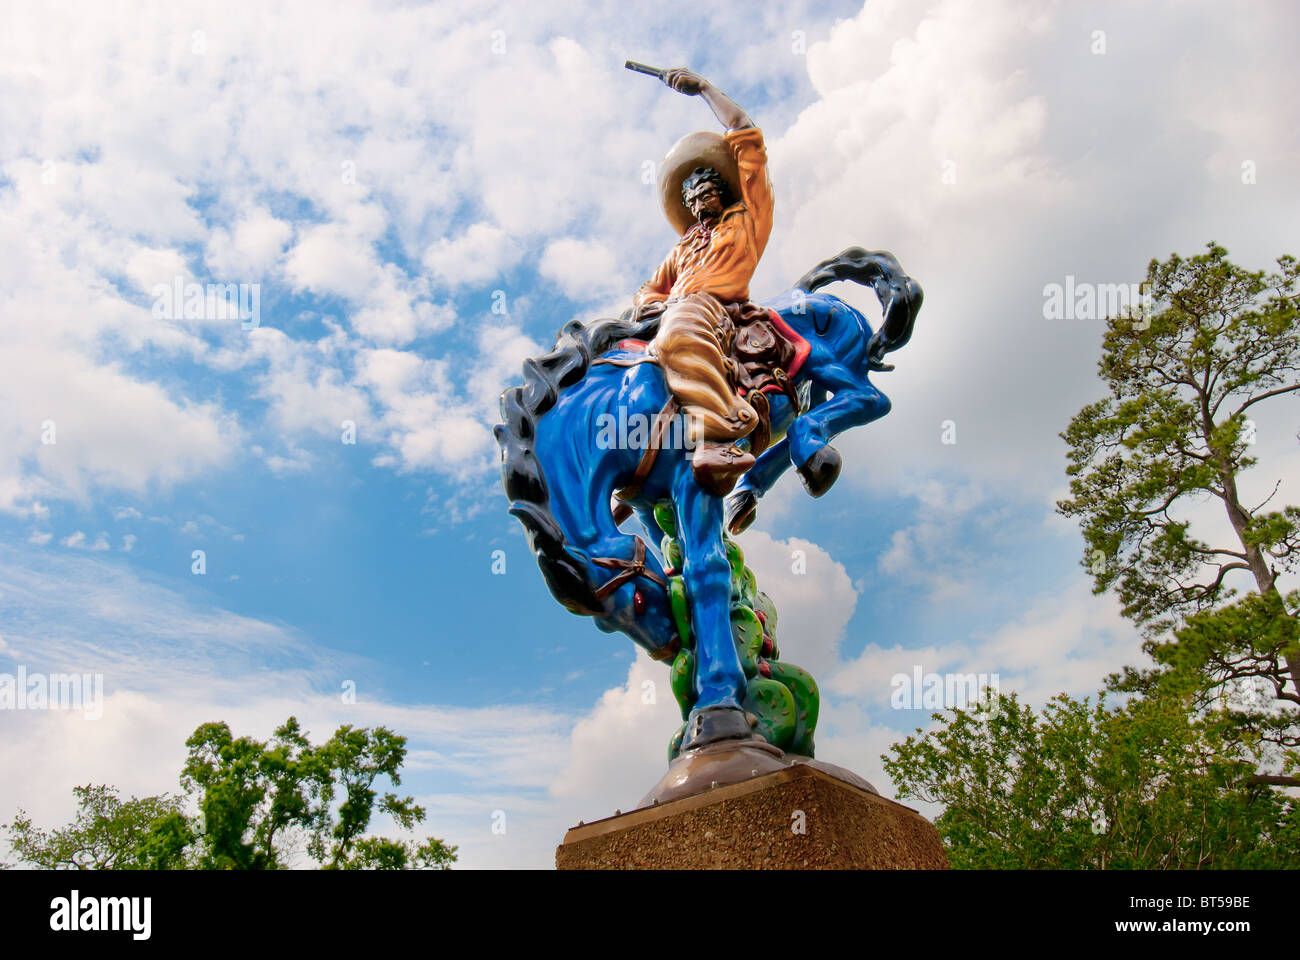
pixel 576 345
pixel 900 296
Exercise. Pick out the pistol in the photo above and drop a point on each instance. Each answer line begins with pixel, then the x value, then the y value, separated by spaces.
pixel 642 68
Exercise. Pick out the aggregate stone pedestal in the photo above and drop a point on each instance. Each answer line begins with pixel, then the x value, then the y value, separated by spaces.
pixel 797 817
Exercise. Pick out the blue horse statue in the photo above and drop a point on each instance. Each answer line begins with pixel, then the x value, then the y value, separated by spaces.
pixel 561 474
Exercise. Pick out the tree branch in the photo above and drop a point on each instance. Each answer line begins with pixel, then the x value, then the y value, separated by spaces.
pixel 1265 396
pixel 1267 499
pixel 1275 780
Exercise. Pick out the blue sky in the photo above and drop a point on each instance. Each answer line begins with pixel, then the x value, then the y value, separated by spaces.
pixel 382 173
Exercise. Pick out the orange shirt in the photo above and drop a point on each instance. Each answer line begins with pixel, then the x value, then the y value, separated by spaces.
pixel 721 261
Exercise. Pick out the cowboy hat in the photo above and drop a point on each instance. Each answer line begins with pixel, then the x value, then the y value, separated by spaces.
pixel 702 149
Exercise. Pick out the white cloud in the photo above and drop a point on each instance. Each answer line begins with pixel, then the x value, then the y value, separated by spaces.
pixel 813 595
pixel 76 540
pixel 479 255
pixel 1066 640
pixel 306 388
pixel 502 351
pixel 1010 94
pixel 250 249
pixel 149 268
pixel 394 318
pixel 141 439
pixel 583 269
pixel 297 461
pixel 617 748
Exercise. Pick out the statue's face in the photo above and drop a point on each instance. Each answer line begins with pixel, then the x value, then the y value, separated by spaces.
pixel 642 610
pixel 705 202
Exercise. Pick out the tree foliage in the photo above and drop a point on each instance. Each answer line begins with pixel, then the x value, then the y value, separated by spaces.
pixel 1175 435
pixel 1082 786
pixel 252 795
pixel 259 805
pixel 108 833
pixel 1191 770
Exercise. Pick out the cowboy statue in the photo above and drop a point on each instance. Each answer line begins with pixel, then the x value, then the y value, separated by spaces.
pixel 723 211
pixel 762 387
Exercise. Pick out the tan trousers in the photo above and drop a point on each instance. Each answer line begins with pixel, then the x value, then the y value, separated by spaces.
pixel 695 335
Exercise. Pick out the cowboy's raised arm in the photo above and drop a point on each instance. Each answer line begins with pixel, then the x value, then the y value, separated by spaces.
pixel 746 141
pixel 724 108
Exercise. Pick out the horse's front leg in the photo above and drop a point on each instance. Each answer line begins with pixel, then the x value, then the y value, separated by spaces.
pixel 742 503
pixel 855 402
pixel 719 678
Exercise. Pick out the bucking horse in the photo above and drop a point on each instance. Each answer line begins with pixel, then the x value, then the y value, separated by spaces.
pixel 575 495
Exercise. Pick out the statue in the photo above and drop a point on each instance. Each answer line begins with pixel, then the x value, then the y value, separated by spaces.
pixel 701 291
pixel 760 387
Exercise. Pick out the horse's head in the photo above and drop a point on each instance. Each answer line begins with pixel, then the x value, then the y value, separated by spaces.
pixel 635 598
pixel 643 612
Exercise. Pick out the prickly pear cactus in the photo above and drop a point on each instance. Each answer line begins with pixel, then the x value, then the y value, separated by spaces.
pixel 782 696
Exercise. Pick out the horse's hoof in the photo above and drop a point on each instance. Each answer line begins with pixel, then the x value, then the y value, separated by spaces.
pixel 821 470
pixel 716 723
pixel 741 508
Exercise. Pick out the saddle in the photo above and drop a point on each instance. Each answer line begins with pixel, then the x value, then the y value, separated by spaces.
pixel 761 355
pixel 761 359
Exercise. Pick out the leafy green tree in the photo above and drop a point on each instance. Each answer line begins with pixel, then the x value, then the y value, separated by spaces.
pixel 1185 379
pixel 255 797
pixel 1085 787
pixel 260 804
pixel 108 834
pixel 1186 773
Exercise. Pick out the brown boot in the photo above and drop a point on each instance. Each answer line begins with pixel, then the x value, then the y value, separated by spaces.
pixel 717 466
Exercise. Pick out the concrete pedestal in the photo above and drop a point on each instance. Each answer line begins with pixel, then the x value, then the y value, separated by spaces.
pixel 798 817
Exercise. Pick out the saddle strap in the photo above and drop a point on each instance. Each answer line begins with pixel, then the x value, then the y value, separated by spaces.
pixel 627 569
pixel 761 436
pixel 787 387
pixel 647 461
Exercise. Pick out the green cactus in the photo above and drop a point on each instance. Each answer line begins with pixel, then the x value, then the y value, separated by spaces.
pixel 748 634
pixel 665 517
pixel 774 705
pixel 681 610
pixel 682 680
pixel 807 702
pixel 782 696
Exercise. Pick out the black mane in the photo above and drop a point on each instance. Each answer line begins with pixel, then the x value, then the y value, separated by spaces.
pixel 545 376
